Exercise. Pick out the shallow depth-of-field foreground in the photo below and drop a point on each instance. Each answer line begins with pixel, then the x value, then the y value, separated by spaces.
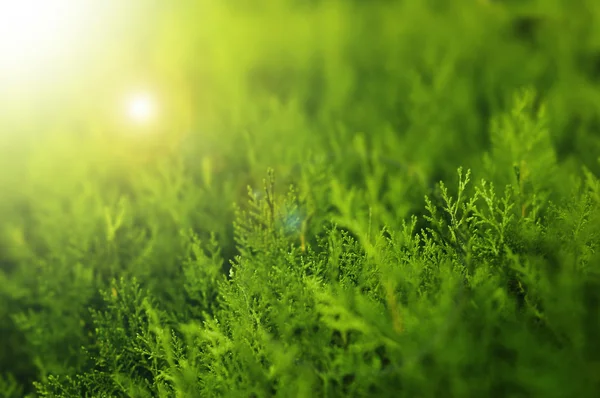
pixel 304 199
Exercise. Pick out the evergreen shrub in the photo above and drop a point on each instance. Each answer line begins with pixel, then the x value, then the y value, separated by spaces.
pixel 386 198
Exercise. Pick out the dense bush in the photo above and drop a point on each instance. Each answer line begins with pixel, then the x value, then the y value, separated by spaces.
pixel 383 198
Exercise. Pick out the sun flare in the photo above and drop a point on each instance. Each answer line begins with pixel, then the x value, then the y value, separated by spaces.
pixel 141 107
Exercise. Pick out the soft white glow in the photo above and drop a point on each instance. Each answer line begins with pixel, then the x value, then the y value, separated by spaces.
pixel 141 107
pixel 35 33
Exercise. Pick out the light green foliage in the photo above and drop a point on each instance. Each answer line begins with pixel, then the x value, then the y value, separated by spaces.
pixel 383 198
pixel 337 320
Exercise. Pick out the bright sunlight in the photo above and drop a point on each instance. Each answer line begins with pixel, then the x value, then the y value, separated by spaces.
pixel 141 107
pixel 36 34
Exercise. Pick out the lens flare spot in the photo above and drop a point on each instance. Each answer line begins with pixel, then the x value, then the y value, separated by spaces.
pixel 141 108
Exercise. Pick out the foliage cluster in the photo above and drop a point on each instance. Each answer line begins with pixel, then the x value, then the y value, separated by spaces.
pixel 364 264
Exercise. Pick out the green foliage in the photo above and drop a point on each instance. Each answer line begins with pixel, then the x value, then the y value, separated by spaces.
pixel 428 225
pixel 357 318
